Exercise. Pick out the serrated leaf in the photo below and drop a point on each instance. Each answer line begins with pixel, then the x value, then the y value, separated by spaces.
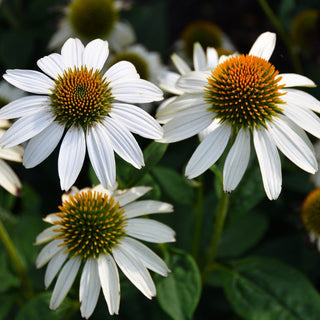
pixel 266 289
pixel 174 185
pixel 179 293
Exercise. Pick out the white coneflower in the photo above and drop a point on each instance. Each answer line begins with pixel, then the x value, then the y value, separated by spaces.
pixel 245 95
pixel 98 228
pixel 93 108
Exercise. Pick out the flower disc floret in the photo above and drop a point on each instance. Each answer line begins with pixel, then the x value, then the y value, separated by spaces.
pixel 244 92
pixel 81 97
pixel 91 223
pixel 310 213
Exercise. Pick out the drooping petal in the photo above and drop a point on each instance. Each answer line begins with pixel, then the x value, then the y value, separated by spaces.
pixel 29 80
pixel 209 151
pixel 180 64
pixel 149 230
pixel 27 127
pixel 137 120
pixel 292 146
pixel 109 280
pixel 13 154
pixel 135 271
pixel 48 251
pixel 54 266
pixel 8 179
pixel 145 255
pixel 71 157
pixel 101 154
pixel 95 54
pixel 269 162
pixel 42 145
pixel 167 82
pixel 264 45
pixel 64 282
pixel 121 70
pixel 199 57
pixel 295 80
pixel 123 142
pixel 237 161
pixel 53 65
pixel 46 235
pixel 126 196
pixel 23 107
pixel 193 82
pixel 143 207
pixel 72 52
pixel 89 288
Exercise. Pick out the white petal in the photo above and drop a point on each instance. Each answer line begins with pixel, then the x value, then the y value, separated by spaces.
pixel 54 266
pixel 215 124
pixel 126 196
pixel 13 154
pixel 303 117
pixel 24 106
pixel 71 157
pixel 208 152
pixel 64 282
pixel 187 124
pixel 145 255
pixel 199 57
pixel 27 127
pixel 136 91
pixel 52 65
pixel 101 154
pixel 95 54
pixel 123 142
pixel 167 82
pixel 193 82
pixel 269 162
pixel 42 145
pixel 301 98
pixel 109 280
pixel 180 64
pixel 46 235
pixel 163 118
pixel 140 208
pixel 135 271
pixel 292 146
pixel 237 161
pixel 120 71
pixel 51 218
pixel 264 45
pixel 149 230
pixel 48 251
pixel 72 52
pixel 29 80
pixel 212 58
pixel 136 120
pixel 8 179
pixel 89 288
pixel 294 80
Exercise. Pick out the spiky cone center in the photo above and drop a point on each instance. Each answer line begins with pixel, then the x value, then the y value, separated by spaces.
pixel 92 19
pixel 91 223
pixel 244 92
pixel 81 97
pixel 310 213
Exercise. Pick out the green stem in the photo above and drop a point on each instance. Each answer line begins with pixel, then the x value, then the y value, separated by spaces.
pixel 217 231
pixel 198 210
pixel 16 260
pixel 285 38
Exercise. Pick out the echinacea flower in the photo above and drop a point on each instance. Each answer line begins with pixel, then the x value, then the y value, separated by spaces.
pixel 98 228
pixel 93 108
pixel 245 96
pixel 310 216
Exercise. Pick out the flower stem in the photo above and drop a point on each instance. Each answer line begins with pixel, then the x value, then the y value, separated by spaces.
pixel 285 38
pixel 198 210
pixel 16 260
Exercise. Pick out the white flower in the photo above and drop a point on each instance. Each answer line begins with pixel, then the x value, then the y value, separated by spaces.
pixel 93 108
pixel 102 18
pixel 242 96
pixel 9 93
pixel 102 235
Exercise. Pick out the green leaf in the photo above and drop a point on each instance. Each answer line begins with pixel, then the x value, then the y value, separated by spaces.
pixel 242 234
pixel 7 279
pixel 152 155
pixel 38 309
pixel 266 289
pixel 174 185
pixel 179 293
pixel 6 303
